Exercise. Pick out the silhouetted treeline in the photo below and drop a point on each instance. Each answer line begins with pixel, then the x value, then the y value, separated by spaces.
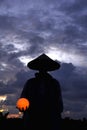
pixel 66 123
pixel 69 124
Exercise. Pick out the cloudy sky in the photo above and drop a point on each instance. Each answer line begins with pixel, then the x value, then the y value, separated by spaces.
pixel 57 28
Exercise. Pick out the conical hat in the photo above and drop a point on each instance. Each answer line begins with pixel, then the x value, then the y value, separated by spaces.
pixel 43 63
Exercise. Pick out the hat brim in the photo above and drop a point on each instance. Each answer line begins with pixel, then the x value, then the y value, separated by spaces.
pixel 43 63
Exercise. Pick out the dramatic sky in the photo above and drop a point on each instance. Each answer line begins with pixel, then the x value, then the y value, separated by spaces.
pixel 57 28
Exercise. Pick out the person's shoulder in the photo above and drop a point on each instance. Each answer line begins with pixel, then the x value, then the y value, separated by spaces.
pixel 55 81
pixel 30 81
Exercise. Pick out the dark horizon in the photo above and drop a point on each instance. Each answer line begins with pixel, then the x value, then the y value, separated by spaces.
pixel 66 123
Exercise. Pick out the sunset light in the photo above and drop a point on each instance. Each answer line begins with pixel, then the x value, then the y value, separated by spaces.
pixel 3 98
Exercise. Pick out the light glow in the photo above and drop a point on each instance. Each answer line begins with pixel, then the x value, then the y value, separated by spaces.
pixel 1 110
pixel 16 42
pixel 13 115
pixel 3 98
pixel 25 59
pixel 65 56
pixel 22 104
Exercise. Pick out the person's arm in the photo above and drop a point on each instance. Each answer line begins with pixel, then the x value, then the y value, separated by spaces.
pixel 24 91
pixel 60 100
pixel 59 97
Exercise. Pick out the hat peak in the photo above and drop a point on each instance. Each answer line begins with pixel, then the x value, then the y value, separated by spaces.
pixel 43 62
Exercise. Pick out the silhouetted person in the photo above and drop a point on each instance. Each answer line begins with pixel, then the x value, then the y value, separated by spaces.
pixel 44 94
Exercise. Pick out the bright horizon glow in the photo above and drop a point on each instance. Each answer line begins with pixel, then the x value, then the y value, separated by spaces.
pixel 13 116
pixel 3 98
pixel 1 110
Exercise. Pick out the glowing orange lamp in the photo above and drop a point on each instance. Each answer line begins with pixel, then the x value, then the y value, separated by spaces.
pixel 22 104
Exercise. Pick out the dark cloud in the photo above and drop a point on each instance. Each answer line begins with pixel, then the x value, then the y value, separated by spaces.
pixel 82 21
pixel 2 1
pixel 74 6
pixel 77 12
pixel 6 22
pixel 73 87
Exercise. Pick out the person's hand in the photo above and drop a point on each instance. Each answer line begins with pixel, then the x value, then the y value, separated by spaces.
pixel 22 109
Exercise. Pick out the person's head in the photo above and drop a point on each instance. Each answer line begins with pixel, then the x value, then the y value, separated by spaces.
pixel 43 64
pixel 43 72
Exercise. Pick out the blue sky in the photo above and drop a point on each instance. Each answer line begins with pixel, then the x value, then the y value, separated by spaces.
pixel 57 28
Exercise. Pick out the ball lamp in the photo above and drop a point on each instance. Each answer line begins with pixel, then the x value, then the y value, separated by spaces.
pixel 22 104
